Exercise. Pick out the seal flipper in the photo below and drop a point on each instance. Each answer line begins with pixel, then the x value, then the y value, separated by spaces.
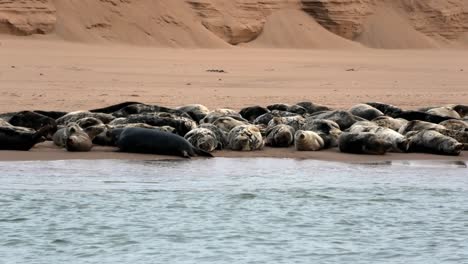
pixel 202 153
pixel 39 136
pixel 185 154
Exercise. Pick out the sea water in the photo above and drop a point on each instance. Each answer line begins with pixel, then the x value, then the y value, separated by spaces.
pixel 233 211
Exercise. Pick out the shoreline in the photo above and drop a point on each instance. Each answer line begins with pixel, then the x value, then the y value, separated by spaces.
pixel 47 151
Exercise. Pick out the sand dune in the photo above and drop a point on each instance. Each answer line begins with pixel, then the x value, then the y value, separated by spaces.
pixel 389 29
pixel 310 24
pixel 144 22
pixel 296 29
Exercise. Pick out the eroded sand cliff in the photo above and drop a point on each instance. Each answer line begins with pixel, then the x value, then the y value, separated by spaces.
pixel 223 23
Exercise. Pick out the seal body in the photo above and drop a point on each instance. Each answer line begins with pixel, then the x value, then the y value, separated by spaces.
pixel 390 122
pixel 33 120
pixel 363 143
pixel 431 141
pixel 14 139
pixel 308 141
pixel 137 109
pixel 61 136
pixel 245 138
pixel 280 136
pixel 78 141
pixel 196 111
pixel 444 111
pixel 252 112
pixel 328 130
pixel 204 139
pixel 181 125
pixel 226 123
pixel 365 111
pixel 312 108
pixel 387 109
pixel 343 118
pixel 214 115
pixel 398 141
pixel 417 125
pixel 150 141
pixel 295 122
pixel 113 108
pixel 73 117
pixel 455 124
pixel 297 109
pixel 106 138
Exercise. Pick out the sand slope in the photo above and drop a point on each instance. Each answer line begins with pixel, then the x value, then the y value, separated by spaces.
pixel 163 23
pixel 296 29
pixel 399 24
pixel 388 29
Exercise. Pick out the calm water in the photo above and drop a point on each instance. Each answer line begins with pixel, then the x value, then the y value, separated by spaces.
pixel 233 211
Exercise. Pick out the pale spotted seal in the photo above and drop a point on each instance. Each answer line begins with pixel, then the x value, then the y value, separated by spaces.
pixel 308 141
pixel 245 138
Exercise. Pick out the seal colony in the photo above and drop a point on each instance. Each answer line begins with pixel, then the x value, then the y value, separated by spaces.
pixel 371 128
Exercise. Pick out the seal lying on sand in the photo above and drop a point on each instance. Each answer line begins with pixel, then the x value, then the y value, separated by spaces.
pixel 245 138
pixel 280 136
pixel 343 118
pixel 33 120
pixel 138 109
pixel 328 130
pixel 74 138
pixel 182 125
pixel 308 141
pixel 444 111
pixel 204 139
pixel 113 108
pixel 75 116
pixel 313 108
pixel 297 109
pixel 365 111
pixel 390 122
pixel 14 139
pixel 417 125
pixel 196 111
pixel 363 143
pixel 150 141
pixel 294 121
pixel 431 141
pixel 398 141
pixel 252 112
pixel 454 124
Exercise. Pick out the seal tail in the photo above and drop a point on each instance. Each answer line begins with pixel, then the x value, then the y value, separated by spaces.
pixel 202 153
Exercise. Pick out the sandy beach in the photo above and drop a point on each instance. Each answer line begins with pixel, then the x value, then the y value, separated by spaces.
pixel 44 74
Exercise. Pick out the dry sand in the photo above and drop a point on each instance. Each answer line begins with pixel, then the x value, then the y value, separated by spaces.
pixel 56 75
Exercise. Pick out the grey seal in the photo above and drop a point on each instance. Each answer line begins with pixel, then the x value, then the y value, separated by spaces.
pixel 14 139
pixel 150 141
pixel 280 136
pixel 363 143
pixel 431 141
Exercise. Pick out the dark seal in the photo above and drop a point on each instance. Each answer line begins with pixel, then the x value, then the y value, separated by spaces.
pixel 13 139
pixel 149 141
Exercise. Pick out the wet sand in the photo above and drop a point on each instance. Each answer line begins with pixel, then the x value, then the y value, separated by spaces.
pixel 57 75
pixel 48 151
